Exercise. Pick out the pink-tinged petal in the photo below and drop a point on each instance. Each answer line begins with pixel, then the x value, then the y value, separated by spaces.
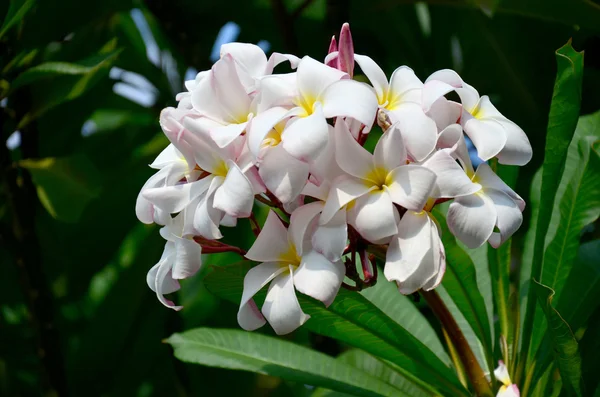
pixel 235 196
pixel 439 257
pixel 447 76
pixel 144 209
pixel 229 90
pixel 461 153
pixel 472 219
pixel 276 58
pixel 318 277
pixel 249 58
pixel 346 50
pixel 487 135
pixel 390 151
pixel 164 283
pixel 331 238
pixel 306 137
pixel 432 91
pixel 418 130
pixel 344 189
pixel 168 285
pixel 444 112
pixel 332 47
pixel 319 192
pixel 451 179
pixel 375 75
pixel 325 166
pixel 410 186
pixel 277 90
pixel 188 258
pixel 169 155
pixel 203 100
pixel 272 242
pixel 331 59
pixel 314 76
pixel 449 136
pixel 302 226
pixel 349 98
pixel 501 373
pixel 261 125
pixel 294 205
pixel 206 152
pixel 488 179
pixel 249 317
pixel 228 221
pixel 207 218
pixel 511 390
pixel 173 199
pixel 517 150
pixel 403 80
pixel 224 135
pixel 258 186
pixel 468 95
pixel 283 175
pixel 281 308
pixel 173 128
pixel 409 259
pixel 349 155
pixel 509 219
pixel 374 216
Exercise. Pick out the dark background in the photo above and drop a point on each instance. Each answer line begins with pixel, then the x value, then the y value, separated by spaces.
pixel 76 315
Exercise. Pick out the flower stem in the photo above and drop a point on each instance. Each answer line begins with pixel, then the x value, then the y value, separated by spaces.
pixel 465 354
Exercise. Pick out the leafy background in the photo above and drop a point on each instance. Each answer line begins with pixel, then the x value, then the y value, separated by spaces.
pixel 83 84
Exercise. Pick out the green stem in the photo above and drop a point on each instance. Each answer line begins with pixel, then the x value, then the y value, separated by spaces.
pixel 469 361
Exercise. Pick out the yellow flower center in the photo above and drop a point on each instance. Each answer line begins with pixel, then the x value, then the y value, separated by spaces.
pixel 378 177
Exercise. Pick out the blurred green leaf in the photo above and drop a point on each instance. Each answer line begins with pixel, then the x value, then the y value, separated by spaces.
pixel 590 351
pixel 16 12
pixel 352 319
pixel 64 185
pixel 565 347
pixel 237 349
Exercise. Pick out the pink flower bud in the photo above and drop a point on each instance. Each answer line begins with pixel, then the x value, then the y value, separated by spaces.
pixel 346 51
pixel 332 48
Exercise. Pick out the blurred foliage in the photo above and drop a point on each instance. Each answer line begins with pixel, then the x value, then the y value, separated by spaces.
pixel 83 83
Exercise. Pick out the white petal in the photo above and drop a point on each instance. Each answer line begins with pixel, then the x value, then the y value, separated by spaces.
pixel 261 125
pixel 331 238
pixel 284 175
pixel 272 244
pixel 203 100
pixel 172 126
pixel 229 90
pixel 350 156
pixel 501 373
pixel 249 317
pixel 517 150
pixel 390 151
pixel 432 91
pixel 343 190
pixel 281 307
pixel 410 186
pixel 418 130
pixel 306 137
pixel 173 199
pixel 468 95
pixel 325 166
pixel 318 277
pixel 206 217
pixel 349 98
pixel 449 136
pixel 375 75
pixel 439 257
pixel 276 58
pixel 169 155
pixel 250 58
pixel 169 285
pixel 224 135
pixel 487 135
pixel 314 77
pixel 300 230
pixel 445 112
pixel 488 179
pixel 509 216
pixel 374 216
pixel 188 258
pixel 403 80
pixel 235 196
pixel 511 390
pixel 451 179
pixel 163 283
pixel 277 91
pixel 472 219
pixel 144 209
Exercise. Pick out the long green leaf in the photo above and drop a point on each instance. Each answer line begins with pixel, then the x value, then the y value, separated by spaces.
pixel 352 319
pixel 248 351
pixel 566 349
pixel 564 112
pixel 16 11
pixel 590 350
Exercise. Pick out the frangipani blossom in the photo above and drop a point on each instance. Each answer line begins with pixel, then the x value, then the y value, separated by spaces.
pixel 508 389
pixel 492 134
pixel 374 183
pixel 401 100
pixel 288 264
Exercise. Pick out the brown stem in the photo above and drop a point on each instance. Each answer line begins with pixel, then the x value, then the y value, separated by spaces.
pixel 254 225
pixel 465 354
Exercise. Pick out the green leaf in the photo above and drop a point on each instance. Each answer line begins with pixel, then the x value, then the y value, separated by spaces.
pixel 16 11
pixel 566 349
pixel 564 112
pixel 590 350
pixel 64 185
pixel 248 351
pixel 352 319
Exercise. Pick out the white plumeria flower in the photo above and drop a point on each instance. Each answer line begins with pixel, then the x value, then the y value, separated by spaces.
pixel 181 258
pixel 492 134
pixel 310 96
pixel 288 264
pixel 373 183
pixel 401 100
pixel 508 389
pixel 223 187
pixel 416 258
pixel 473 218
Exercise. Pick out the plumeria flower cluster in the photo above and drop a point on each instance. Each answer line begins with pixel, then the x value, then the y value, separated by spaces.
pixel 244 136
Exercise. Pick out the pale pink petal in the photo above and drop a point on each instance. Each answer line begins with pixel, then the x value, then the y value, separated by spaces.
pixel 346 50
pixel 224 135
pixel 343 190
pixel 230 91
pixel 410 186
pixel 203 100
pixel 511 390
pixel 349 98
pixel 487 135
pixel 445 112
pixel 249 317
pixel 235 196
pixel 261 125
pixel 169 155
pixel 164 283
pixel 451 179
pixel 432 91
pixel 277 90
pixel 249 58
pixel 283 175
pixel 302 225
pixel 350 156
pixel 472 219
pixel 517 150
pixel 418 130
pixel 314 76
pixel 501 373
pixel 173 199
pixel 276 58
pixel 325 167
pixel 449 136
pixel 144 209
pixel 488 179
pixel 173 128
pixel 403 80
pixel 281 308
pixel 306 137
pixel 318 277
pixel 439 256
pixel 207 218
pixel 331 239
pixel 272 242
pixel 509 219
pixel 168 285
pixel 375 75
pixel 468 95
pixel 374 216
pixel 390 151
pixel 188 258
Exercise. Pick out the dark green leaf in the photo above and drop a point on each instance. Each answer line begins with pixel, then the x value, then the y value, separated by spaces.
pixel 16 11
